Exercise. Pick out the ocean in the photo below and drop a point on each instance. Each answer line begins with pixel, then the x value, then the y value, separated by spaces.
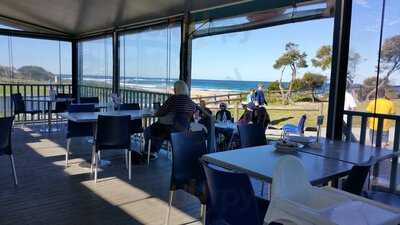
pixel 199 84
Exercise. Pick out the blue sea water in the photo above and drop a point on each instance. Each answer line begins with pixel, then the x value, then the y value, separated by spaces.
pixel 201 84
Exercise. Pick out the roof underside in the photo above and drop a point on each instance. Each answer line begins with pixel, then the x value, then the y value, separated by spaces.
pixel 76 17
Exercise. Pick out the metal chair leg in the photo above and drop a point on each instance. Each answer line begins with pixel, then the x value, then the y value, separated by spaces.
pixel 126 159
pixel 13 170
pixel 262 189
pixel 93 159
pixel 129 165
pixel 67 153
pixel 97 158
pixel 148 153
pixel 203 214
pixel 171 196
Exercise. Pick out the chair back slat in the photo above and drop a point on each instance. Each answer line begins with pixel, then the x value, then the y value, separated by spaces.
pixel 113 132
pixel 5 135
pixel 231 197
pixel 187 149
pixel 94 100
pixel 18 103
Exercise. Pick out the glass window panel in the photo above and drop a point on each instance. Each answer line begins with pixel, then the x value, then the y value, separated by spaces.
pixel 149 61
pixel 232 64
pixel 39 60
pixel 96 68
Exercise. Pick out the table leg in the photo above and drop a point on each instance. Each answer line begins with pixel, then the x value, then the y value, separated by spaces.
pixel 49 104
pixel 335 182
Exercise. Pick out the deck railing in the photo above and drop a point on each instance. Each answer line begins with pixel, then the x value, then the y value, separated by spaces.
pixel 143 97
pixel 378 133
pixel 28 91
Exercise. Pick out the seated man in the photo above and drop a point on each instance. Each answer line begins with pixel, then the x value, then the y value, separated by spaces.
pixel 174 116
pixel 223 114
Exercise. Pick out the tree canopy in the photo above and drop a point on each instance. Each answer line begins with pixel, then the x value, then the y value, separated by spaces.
pixel 291 57
pixel 294 59
pixel 323 58
pixel 389 62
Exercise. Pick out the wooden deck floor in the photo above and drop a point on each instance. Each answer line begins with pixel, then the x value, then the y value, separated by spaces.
pixel 49 193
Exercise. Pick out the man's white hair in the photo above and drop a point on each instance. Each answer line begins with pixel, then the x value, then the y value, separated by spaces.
pixel 181 88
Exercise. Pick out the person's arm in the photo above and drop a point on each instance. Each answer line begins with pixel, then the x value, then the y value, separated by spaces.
pixel 258 97
pixel 228 115
pixel 165 108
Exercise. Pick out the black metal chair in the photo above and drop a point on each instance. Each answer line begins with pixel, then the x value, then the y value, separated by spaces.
pixel 252 135
pixel 75 130
pixel 187 149
pixel 20 106
pixel 61 105
pixel 135 126
pixel 86 100
pixel 354 182
pixel 5 142
pixel 231 199
pixel 112 132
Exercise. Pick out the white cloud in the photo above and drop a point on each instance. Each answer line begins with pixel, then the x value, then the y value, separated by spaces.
pixel 394 22
pixel 363 3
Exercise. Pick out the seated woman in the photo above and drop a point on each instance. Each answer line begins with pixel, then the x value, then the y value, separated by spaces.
pixel 196 125
pixel 204 114
pixel 174 116
pixel 223 114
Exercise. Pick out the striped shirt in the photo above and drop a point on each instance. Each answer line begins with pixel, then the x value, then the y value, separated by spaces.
pixel 177 104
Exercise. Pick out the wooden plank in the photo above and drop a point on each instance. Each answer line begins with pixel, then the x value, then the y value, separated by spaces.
pixel 51 194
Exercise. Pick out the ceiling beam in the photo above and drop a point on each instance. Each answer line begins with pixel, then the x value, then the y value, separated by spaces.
pixel 31 26
pixel 243 8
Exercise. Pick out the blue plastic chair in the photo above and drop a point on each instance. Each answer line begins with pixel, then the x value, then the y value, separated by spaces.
pixel 231 199
pixel 295 129
pixel 187 149
pixel 112 133
pixel 5 142
pixel 75 130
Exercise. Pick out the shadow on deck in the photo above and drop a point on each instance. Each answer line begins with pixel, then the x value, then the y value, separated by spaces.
pixel 49 193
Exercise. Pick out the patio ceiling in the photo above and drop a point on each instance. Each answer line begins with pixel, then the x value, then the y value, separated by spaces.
pixel 76 17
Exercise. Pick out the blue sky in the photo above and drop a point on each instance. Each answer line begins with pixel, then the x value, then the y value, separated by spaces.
pixel 238 56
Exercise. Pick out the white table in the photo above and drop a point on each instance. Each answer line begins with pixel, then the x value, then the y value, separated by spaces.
pixel 85 117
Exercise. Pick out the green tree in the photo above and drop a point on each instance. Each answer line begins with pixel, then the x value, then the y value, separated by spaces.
pixel 353 62
pixel 313 81
pixel 293 59
pixel 323 58
pixel 273 86
pixel 389 62
pixel 298 84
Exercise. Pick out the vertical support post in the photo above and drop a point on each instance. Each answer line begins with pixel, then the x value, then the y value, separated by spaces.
pixel 75 68
pixel 186 49
pixel 340 54
pixel 393 169
pixel 115 60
